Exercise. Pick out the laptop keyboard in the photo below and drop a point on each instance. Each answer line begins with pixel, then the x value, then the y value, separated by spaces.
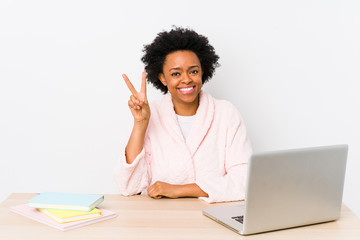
pixel 240 219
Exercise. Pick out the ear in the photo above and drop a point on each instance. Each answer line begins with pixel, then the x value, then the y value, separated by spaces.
pixel 162 78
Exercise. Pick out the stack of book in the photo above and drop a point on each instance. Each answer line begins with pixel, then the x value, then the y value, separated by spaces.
pixel 64 211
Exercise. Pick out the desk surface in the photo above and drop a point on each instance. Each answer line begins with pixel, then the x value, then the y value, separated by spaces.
pixel 141 217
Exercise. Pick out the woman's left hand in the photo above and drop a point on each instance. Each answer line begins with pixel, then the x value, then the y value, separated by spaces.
pixel 162 189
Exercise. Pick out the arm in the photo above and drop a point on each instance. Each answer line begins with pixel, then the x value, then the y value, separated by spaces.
pixel 161 189
pixel 136 141
pixel 131 173
pixel 140 110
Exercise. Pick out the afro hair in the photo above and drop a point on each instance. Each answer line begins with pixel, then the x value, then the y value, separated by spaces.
pixel 178 39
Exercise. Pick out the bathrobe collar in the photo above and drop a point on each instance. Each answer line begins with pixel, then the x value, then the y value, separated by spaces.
pixel 201 125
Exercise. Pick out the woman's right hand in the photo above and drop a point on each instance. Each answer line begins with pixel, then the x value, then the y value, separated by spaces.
pixel 138 102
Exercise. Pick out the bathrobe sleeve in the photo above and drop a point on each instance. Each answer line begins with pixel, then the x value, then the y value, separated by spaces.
pixel 232 185
pixel 133 178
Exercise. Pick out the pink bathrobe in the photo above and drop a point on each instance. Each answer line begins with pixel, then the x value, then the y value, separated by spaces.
pixel 214 155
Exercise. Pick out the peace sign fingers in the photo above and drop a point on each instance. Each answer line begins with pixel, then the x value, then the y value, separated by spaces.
pixel 138 103
pixel 142 93
pixel 130 86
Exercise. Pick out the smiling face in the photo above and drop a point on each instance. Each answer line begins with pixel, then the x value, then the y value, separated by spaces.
pixel 182 75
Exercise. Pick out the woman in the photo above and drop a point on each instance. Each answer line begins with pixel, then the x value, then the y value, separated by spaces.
pixel 191 145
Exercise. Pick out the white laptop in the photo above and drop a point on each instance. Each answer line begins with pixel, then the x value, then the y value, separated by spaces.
pixel 287 189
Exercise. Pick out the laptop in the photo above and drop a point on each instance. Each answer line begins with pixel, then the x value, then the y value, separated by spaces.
pixel 286 189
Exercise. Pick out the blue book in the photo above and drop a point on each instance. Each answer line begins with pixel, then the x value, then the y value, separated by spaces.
pixel 67 201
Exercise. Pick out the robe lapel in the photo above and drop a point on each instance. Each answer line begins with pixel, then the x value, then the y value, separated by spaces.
pixel 202 123
pixel 169 119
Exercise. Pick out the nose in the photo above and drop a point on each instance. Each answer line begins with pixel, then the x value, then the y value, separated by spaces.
pixel 186 79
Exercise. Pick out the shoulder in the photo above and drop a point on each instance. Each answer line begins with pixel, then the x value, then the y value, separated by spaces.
pixel 162 112
pixel 220 102
pixel 226 113
pixel 159 106
pixel 155 105
pixel 226 108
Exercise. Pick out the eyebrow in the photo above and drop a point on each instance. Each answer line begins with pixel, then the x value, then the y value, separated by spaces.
pixel 178 68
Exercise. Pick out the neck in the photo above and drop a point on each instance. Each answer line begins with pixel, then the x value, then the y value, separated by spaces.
pixel 186 109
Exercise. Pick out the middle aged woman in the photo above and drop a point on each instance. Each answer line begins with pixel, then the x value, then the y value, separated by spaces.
pixel 189 144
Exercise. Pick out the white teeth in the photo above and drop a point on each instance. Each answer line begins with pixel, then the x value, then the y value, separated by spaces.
pixel 186 89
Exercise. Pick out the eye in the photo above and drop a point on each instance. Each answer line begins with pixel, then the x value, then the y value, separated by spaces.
pixel 175 74
pixel 194 72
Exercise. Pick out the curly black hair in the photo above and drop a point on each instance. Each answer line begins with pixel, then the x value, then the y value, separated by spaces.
pixel 176 40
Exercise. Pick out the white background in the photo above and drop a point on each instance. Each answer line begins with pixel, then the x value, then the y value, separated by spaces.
pixel 291 67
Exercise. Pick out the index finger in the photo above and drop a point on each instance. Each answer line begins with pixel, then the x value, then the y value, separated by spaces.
pixel 143 84
pixel 129 84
